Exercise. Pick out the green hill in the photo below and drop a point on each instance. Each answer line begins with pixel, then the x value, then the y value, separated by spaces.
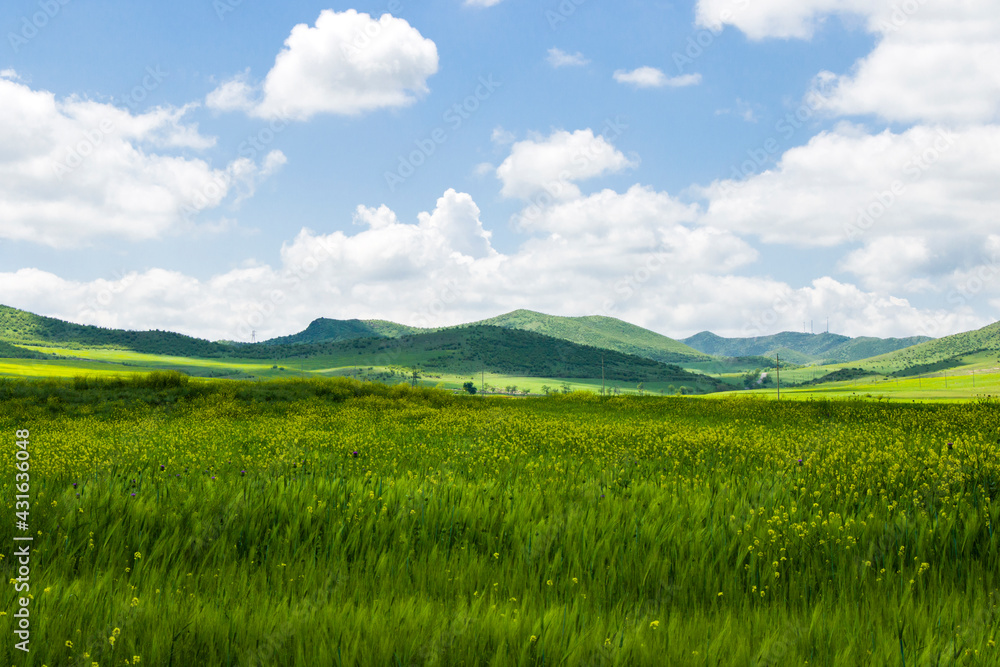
pixel 597 331
pixel 19 326
pixel 801 348
pixel 939 352
pixel 8 351
pixel 474 348
pixel 459 350
pixel 601 332
pixel 325 330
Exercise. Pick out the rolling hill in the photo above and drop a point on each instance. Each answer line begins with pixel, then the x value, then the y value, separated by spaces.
pixel 602 332
pixel 20 326
pixel 8 351
pixel 801 348
pixel 325 330
pixel 457 350
pixel 474 348
pixel 938 352
pixel 597 331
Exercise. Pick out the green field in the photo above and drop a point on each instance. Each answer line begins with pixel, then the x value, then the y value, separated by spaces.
pixel 333 522
pixel 113 362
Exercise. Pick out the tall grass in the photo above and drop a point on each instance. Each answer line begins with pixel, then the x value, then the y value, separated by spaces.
pixel 350 524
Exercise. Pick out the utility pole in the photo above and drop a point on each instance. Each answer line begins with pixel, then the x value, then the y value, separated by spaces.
pixel 777 371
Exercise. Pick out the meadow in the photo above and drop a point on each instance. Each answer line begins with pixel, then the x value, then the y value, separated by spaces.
pixel 336 522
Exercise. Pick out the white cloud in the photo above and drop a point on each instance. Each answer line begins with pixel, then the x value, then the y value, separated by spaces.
pixel 892 263
pixel 934 262
pixel 743 109
pixel 9 74
pixel 482 3
pixel 938 64
pixel 73 170
pixel 559 58
pixel 650 77
pixel 934 61
pixel 846 185
pixel 502 137
pixel 634 255
pixel 782 19
pixel 348 63
pixel 235 94
pixel 553 164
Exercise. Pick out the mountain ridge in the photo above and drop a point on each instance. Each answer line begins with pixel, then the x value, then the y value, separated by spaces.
pixel 801 348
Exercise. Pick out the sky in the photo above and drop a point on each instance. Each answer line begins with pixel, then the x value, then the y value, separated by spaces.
pixel 235 168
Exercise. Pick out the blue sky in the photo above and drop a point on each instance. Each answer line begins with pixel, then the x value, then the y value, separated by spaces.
pixel 221 167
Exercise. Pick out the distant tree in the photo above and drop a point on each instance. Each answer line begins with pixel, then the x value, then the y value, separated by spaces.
pixel 639 387
pixel 469 387
pixel 751 378
pixel 565 387
pixel 685 390
pixel 546 389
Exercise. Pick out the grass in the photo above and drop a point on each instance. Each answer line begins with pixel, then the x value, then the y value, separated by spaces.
pixel 111 362
pixel 232 523
pixel 954 385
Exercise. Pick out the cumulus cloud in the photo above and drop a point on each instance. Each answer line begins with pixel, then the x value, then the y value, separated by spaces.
pixel 72 170
pixel 934 61
pixel 502 137
pixel 639 255
pixel 559 58
pixel 846 185
pixel 782 19
pixel 553 164
pixel 347 64
pixel 936 64
pixel 650 77
pixel 440 270
pixel 236 94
